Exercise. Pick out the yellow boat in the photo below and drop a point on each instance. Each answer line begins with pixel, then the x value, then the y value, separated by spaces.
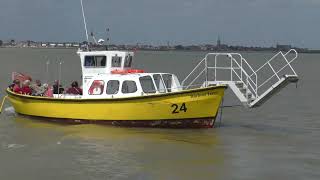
pixel 114 93
pixel 195 108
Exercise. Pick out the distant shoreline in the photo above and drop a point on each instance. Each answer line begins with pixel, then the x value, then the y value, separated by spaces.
pixel 172 50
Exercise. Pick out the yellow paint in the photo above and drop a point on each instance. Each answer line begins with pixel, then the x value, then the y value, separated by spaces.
pixel 199 103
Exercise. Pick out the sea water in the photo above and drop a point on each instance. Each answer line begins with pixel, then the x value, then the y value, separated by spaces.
pixel 279 140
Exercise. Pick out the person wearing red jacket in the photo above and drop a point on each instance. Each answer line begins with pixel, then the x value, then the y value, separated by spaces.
pixel 75 90
pixel 26 90
pixel 15 86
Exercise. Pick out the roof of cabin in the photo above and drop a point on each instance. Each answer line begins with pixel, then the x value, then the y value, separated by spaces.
pixel 103 52
pixel 130 74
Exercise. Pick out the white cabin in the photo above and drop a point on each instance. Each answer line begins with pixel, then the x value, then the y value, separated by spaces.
pixel 109 74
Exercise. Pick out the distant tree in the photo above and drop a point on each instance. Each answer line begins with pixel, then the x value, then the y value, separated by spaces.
pixel 1 43
pixel 179 47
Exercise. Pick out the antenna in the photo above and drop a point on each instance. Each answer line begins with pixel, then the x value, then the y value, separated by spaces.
pixel 47 69
pixel 108 37
pixel 59 76
pixel 84 22
pixel 94 38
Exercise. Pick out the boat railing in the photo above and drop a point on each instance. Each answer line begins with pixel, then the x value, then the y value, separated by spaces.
pixel 276 73
pixel 236 68
pixel 240 71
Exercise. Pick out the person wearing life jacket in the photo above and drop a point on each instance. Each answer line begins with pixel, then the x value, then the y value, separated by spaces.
pixel 26 90
pixel 74 89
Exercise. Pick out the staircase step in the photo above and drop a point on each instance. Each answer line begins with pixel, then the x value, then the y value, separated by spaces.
pixel 249 95
pixel 274 89
pixel 251 100
pixel 240 84
pixel 243 90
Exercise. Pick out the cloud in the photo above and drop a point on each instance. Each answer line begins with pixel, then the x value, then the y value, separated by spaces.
pixel 154 21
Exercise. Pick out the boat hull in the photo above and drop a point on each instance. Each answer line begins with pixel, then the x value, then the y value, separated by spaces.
pixel 186 109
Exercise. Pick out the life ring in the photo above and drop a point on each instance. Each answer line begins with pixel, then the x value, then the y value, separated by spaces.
pixel 135 71
pixel 119 71
pixel 127 71
pixel 96 88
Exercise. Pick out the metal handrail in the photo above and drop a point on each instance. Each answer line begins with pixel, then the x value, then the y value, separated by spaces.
pixel 243 76
pixel 277 73
pixel 273 57
pixel 193 71
pixel 246 79
pixel 256 78
pixel 266 63
pixel 196 78
pixel 254 86
pixel 248 84
pixel 288 63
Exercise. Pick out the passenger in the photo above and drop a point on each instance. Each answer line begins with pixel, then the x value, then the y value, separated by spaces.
pixel 16 86
pixel 26 88
pixel 14 83
pixel 38 89
pixel 49 91
pixel 57 87
pixel 74 89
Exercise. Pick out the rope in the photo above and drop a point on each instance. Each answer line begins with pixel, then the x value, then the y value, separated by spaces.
pixel 3 100
pixel 221 108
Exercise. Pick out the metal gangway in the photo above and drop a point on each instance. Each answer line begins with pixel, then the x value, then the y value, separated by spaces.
pixel 252 87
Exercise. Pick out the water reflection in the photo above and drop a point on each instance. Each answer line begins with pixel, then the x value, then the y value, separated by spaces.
pixel 91 131
pixel 135 153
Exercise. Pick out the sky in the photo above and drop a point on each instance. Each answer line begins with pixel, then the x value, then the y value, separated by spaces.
pixel 156 22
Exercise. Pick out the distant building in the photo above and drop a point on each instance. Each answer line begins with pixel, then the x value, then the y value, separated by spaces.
pixel 75 45
pixel 283 47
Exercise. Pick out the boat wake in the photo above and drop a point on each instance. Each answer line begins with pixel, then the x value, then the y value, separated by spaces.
pixel 14 146
pixel 9 111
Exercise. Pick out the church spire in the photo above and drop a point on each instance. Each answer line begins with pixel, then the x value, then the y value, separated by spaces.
pixel 218 42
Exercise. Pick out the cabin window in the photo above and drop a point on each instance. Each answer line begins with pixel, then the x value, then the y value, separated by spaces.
pixel 96 87
pixel 116 61
pixel 147 84
pixel 95 61
pixel 167 78
pixel 129 87
pixel 112 87
pixel 128 61
pixel 159 83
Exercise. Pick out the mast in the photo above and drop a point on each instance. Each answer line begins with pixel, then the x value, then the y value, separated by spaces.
pixel 84 22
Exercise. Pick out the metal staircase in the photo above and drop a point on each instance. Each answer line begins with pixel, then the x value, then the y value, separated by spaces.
pixel 252 87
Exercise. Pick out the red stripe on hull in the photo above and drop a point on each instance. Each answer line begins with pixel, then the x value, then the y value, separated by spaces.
pixel 172 123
